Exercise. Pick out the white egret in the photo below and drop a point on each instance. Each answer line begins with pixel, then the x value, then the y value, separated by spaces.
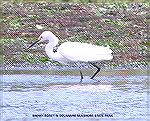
pixel 73 52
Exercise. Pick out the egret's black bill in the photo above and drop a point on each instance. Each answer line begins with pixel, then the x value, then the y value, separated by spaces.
pixel 33 44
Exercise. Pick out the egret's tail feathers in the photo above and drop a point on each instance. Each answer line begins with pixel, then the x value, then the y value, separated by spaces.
pixel 105 50
pixel 101 57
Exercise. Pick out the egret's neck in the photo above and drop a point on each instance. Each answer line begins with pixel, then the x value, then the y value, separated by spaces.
pixel 49 49
pixel 51 45
pixel 53 41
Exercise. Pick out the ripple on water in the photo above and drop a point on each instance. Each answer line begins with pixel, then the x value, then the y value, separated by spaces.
pixel 24 95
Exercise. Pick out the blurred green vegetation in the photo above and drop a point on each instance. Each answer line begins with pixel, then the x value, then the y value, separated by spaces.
pixel 119 34
pixel 81 1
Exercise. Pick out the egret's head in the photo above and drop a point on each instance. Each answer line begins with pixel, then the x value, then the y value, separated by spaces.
pixel 46 36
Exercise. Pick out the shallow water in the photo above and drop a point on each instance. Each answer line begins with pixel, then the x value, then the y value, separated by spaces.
pixel 121 96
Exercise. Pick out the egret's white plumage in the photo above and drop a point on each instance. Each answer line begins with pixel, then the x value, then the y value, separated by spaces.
pixel 84 52
pixel 71 52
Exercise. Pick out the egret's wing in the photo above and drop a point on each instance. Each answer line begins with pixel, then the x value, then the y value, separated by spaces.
pixel 76 51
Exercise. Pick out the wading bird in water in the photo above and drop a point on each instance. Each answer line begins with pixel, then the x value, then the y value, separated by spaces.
pixel 74 52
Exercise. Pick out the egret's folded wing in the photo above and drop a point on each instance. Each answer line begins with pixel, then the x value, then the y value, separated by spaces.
pixel 76 51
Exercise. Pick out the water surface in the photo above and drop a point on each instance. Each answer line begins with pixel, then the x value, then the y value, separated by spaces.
pixel 123 95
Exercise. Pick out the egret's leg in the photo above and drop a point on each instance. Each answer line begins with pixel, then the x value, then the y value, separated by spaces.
pixel 81 75
pixel 98 69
